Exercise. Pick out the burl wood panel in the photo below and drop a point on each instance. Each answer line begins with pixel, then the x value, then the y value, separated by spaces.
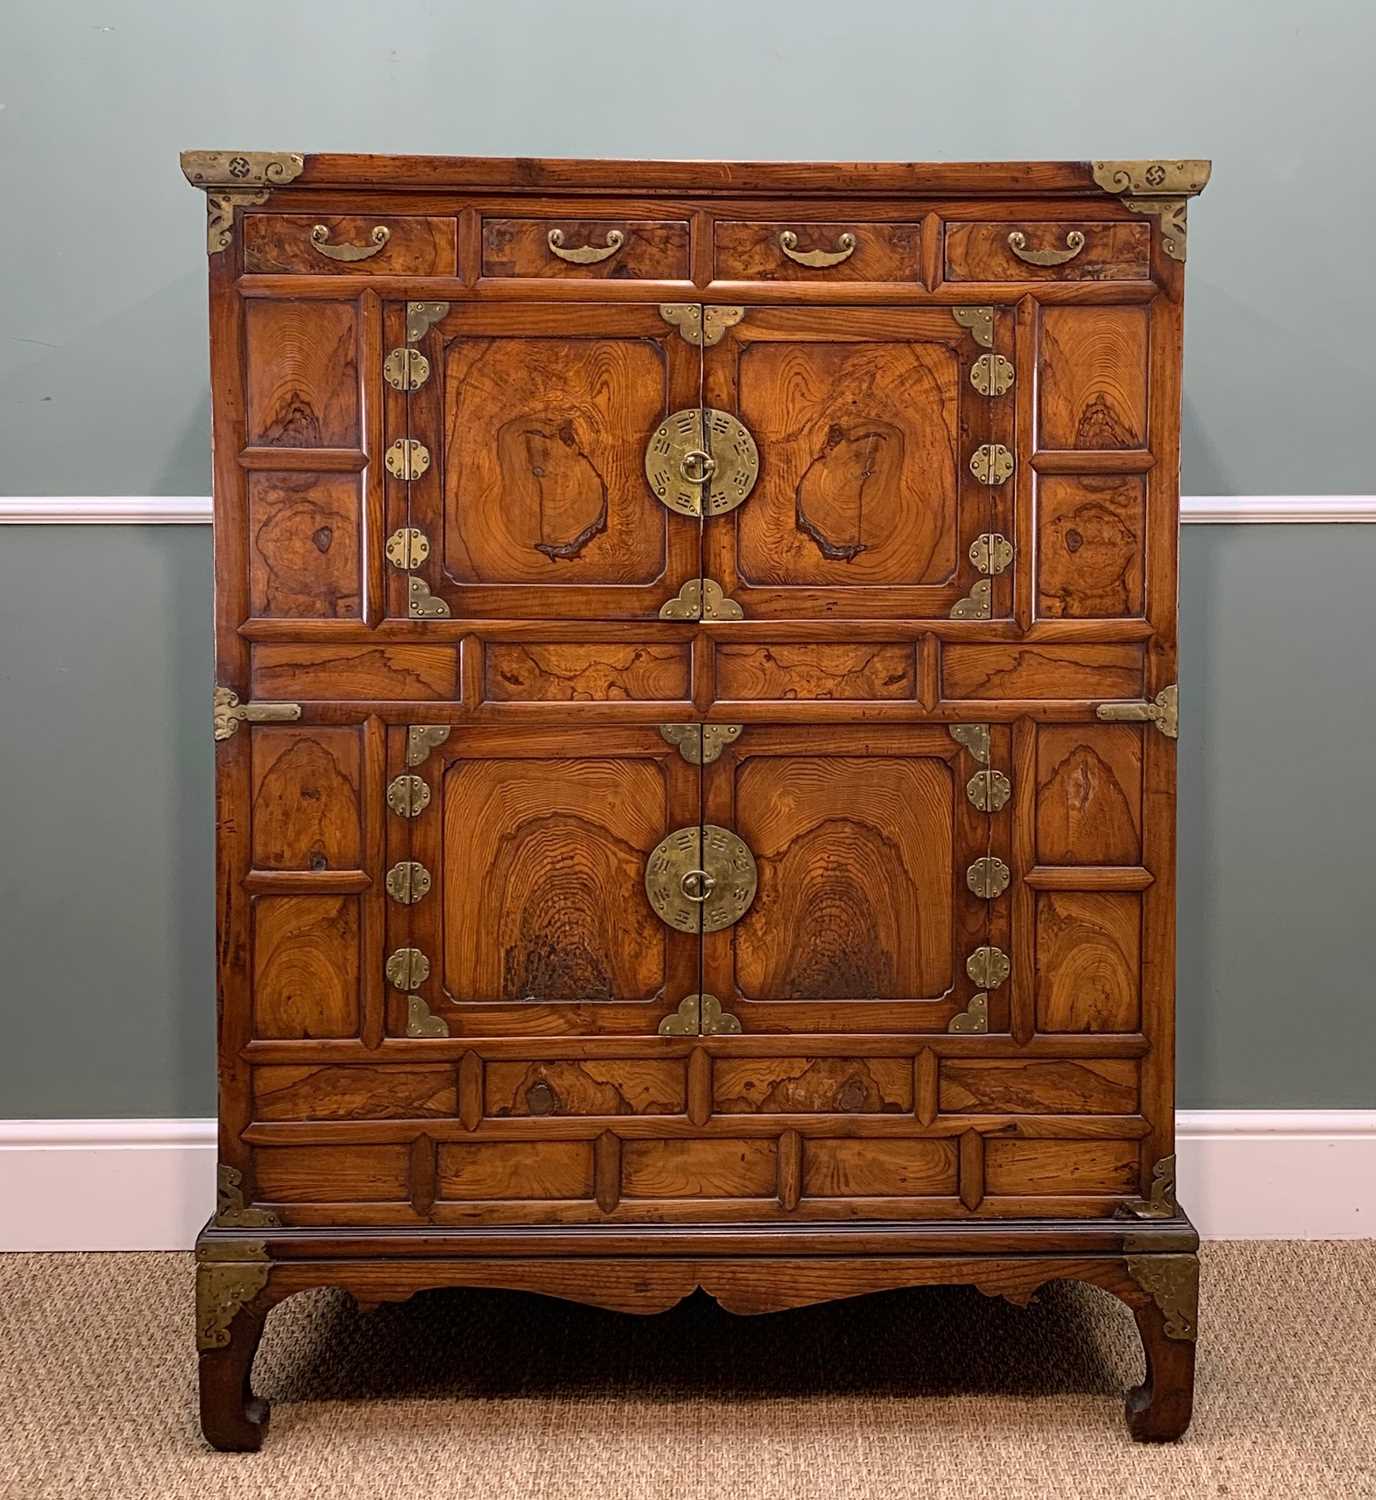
pixel 635 1086
pixel 415 246
pixel 816 671
pixel 322 1092
pixel 559 911
pixel 1039 1168
pixel 1088 960
pixel 1041 671
pixel 607 672
pixel 306 811
pixel 718 1168
pixel 302 374
pixel 752 252
pixel 1038 1086
pixel 1092 377
pixel 858 474
pixel 392 672
pixel 332 1174
pixel 655 250
pixel 855 874
pixel 1089 794
pixel 879 1168
pixel 1091 546
pixel 812 1085
pixel 514 1169
pixel 545 460
pixel 1111 252
pixel 304 541
pixel 305 966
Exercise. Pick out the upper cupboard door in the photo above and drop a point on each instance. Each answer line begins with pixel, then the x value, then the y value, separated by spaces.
pixel 531 491
pixel 885 443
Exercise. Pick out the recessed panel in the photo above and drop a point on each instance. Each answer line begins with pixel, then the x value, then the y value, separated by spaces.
pixel 1089 794
pixel 302 373
pixel 332 1174
pixel 1092 377
pixel 593 1086
pixel 1091 546
pixel 1038 1086
pixel 1041 671
pixel 1061 1168
pixel 1089 954
pixel 307 808
pixel 384 1092
pixel 878 1168
pixel 514 1169
pixel 305 966
pixel 544 477
pixel 304 546
pixel 609 672
pixel 699 1169
pixel 812 1085
pixel 816 672
pixel 386 672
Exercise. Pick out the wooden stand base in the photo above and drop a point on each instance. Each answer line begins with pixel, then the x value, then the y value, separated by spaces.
pixel 1152 1267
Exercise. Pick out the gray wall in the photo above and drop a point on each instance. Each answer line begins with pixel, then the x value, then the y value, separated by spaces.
pixel 106 994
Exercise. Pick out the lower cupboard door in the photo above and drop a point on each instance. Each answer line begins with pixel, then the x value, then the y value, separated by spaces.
pixel 879 891
pixel 535 919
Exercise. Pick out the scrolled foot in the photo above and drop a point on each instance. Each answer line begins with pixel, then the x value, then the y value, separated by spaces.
pixel 1159 1410
pixel 230 1312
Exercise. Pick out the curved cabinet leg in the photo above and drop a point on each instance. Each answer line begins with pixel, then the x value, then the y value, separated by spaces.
pixel 1159 1409
pixel 230 1312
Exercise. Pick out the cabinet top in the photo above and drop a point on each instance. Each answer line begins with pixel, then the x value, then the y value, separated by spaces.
pixel 226 170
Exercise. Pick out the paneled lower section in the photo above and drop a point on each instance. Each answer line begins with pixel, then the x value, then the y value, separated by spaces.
pixel 333 1174
pixel 1051 1086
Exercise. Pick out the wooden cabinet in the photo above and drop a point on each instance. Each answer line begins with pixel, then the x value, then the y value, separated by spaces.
pixel 695 728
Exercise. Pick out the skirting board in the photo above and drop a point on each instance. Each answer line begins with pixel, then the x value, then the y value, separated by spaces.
pixel 150 1184
pixel 194 510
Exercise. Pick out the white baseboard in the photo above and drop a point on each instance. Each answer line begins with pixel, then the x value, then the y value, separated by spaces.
pixel 137 510
pixel 150 1184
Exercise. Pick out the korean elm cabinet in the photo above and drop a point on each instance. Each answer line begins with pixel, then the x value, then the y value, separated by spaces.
pixel 695 726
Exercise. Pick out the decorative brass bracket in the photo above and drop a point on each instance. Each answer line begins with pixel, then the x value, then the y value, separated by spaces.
pixel 421 603
pixel 1163 711
pixel 420 1022
pixel 980 322
pixel 975 738
pixel 229 713
pixel 231 1212
pixel 1160 188
pixel 974 1018
pixel 701 599
pixel 1172 1282
pixel 988 967
pixel 421 317
pixel 978 604
pixel 700 749
pixel 700 326
pixel 421 739
pixel 1161 1204
pixel 225 1285
pixel 234 179
pixel 699 1015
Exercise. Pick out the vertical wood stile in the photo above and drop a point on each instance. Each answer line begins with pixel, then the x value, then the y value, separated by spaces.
pixel 470 245
pixel 423 1152
pixel 929 254
pixel 1023 979
pixel 925 1078
pixel 472 670
pixel 790 1169
pixel 972 1169
pixel 1024 478
pixel 699 1086
pixel 928 667
pixel 374 900
pixel 470 1087
pixel 373 392
pixel 606 1156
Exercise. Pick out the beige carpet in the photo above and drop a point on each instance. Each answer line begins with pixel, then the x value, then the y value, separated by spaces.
pixel 930 1394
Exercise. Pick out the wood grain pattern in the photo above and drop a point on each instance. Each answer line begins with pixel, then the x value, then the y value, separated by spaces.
pixel 521 672
pixel 1017 1086
pixel 653 250
pixel 859 480
pixel 888 1168
pixel 718 1168
pixel 307 810
pixel 303 374
pixel 415 246
pixel 561 912
pixel 333 1174
pixel 1088 960
pixel 1042 671
pixel 392 672
pixel 1092 377
pixel 1089 794
pixel 639 1086
pixel 544 460
pixel 1091 546
pixel 854 857
pixel 1042 1167
pixel 1112 251
pixel 393 1092
pixel 813 1085
pixel 750 251
pixel 816 672
pixel 522 1170
pixel 305 966
pixel 305 546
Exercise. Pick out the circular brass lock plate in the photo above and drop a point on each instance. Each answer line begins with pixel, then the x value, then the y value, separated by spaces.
pixel 701 879
pixel 701 462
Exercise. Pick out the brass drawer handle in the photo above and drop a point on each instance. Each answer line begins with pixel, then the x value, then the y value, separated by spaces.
pixel 320 236
pixel 697 885
pixel 585 255
pixel 1074 243
pixel 845 248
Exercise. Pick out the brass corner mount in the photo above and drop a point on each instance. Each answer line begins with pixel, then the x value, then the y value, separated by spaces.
pixel 233 179
pixel 1159 188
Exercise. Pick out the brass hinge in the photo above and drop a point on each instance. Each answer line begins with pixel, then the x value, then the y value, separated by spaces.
pixel 407 547
pixel 992 375
pixel 989 790
pixel 697 325
pixel 408 881
pixel 991 464
pixel 407 969
pixel 991 553
pixel 408 796
pixel 701 599
pixel 974 1018
pixel 987 967
pixel 1163 711
pixel 988 877
pixel 699 1015
pixel 407 459
pixel 700 744
pixel 406 369
pixel 229 713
